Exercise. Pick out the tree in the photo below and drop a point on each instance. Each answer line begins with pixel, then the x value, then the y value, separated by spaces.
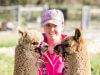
pixel 5 2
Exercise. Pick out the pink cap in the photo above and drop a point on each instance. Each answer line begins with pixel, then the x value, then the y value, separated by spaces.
pixel 53 16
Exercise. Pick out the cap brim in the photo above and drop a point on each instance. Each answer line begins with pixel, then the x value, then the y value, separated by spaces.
pixel 52 22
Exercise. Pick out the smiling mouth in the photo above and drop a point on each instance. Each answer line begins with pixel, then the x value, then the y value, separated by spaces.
pixel 51 33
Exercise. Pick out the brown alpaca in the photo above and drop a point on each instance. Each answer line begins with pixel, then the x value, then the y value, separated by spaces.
pixel 76 57
pixel 25 55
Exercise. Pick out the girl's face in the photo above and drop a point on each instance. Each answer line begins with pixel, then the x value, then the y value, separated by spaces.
pixel 53 31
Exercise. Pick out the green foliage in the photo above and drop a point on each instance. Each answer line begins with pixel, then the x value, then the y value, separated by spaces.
pixel 6 15
pixel 17 2
pixel 30 17
pixel 56 2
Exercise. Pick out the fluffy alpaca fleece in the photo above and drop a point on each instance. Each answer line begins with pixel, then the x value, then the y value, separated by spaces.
pixel 74 51
pixel 25 56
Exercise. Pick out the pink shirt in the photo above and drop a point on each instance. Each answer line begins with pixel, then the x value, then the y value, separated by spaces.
pixel 54 63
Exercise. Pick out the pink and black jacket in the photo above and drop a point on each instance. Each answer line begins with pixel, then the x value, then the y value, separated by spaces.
pixel 54 63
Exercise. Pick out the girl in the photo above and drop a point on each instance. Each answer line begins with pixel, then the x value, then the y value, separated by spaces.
pixel 53 24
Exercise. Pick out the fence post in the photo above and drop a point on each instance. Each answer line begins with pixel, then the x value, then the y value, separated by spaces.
pixel 86 17
pixel 18 15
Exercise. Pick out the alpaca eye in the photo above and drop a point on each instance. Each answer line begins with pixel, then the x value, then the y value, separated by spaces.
pixel 35 43
pixel 67 45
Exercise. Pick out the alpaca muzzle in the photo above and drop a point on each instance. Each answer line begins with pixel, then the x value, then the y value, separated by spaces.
pixel 42 48
pixel 60 49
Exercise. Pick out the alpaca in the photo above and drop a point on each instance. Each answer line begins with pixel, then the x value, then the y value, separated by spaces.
pixel 74 51
pixel 25 52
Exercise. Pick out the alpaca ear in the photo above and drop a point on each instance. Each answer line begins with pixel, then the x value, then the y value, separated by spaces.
pixel 77 34
pixel 21 31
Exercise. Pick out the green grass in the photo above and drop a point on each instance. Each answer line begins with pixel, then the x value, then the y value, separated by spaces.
pixel 8 42
pixel 95 63
pixel 8 38
pixel 6 64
